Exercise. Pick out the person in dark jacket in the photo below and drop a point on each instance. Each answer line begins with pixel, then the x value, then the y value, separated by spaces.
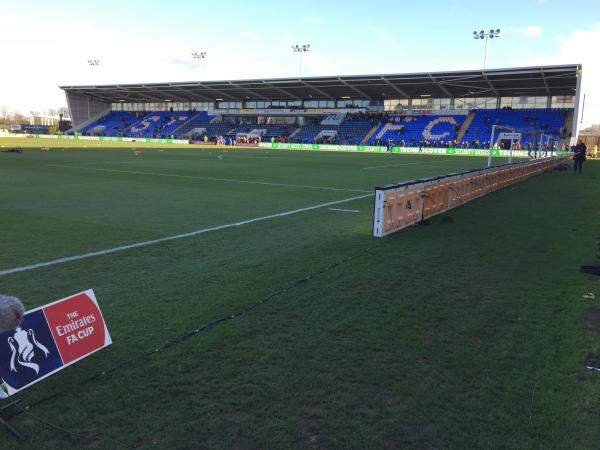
pixel 579 154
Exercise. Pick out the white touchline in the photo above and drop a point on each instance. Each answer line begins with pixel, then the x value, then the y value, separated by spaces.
pixel 193 177
pixel 235 157
pixel 116 163
pixel 406 164
pixel 344 210
pixel 171 238
pixel 244 158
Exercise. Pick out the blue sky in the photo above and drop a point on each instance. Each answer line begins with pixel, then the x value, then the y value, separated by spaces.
pixel 145 41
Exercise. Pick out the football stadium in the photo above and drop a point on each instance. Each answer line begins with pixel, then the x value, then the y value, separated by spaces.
pixel 529 106
pixel 403 260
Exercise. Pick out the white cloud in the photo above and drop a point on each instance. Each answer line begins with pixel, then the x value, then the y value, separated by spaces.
pixel 529 31
pixel 580 47
pixel 126 56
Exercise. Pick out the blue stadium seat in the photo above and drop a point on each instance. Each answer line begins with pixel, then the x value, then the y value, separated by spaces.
pixel 436 130
pixel 528 122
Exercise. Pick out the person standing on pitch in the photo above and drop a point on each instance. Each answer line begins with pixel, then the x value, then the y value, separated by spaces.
pixel 579 155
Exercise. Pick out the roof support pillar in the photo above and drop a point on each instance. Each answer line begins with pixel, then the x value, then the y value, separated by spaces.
pixel 578 106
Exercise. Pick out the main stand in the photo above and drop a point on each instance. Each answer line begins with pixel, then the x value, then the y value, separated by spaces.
pixel 4 422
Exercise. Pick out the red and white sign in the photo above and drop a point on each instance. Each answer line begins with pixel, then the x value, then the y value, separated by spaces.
pixel 77 326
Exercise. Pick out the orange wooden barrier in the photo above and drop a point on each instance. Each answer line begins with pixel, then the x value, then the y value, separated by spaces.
pixel 400 205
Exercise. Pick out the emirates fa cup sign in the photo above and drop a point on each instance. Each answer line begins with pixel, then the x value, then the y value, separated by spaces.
pixel 49 339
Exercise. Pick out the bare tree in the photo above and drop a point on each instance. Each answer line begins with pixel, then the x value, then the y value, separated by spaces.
pixel 4 114
pixel 595 128
pixel 18 118
pixel 64 111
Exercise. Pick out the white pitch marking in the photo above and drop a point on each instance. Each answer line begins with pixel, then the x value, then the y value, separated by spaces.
pixel 233 157
pixel 344 210
pixel 171 238
pixel 406 164
pixel 228 180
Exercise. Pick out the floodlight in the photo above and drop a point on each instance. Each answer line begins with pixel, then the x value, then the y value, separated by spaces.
pixel 301 49
pixel 493 33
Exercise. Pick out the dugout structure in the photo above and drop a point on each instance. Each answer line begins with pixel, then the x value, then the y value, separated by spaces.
pixel 398 206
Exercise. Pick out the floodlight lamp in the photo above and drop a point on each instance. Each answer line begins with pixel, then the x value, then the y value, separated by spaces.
pixel 301 48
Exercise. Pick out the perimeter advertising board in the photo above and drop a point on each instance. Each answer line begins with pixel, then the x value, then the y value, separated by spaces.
pixel 496 153
pixel 107 138
pixel 325 147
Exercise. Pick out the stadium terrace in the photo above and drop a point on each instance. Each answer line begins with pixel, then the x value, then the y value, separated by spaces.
pixel 519 107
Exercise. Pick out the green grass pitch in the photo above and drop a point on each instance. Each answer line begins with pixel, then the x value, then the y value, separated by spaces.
pixel 468 333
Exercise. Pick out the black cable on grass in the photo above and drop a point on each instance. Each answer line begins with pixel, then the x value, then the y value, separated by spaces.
pixel 25 410
pixel 531 405
pixel 178 340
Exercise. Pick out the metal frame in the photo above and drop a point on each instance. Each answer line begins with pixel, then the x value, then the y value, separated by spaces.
pixel 6 424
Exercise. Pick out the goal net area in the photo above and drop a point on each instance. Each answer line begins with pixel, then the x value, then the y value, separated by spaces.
pixel 398 206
